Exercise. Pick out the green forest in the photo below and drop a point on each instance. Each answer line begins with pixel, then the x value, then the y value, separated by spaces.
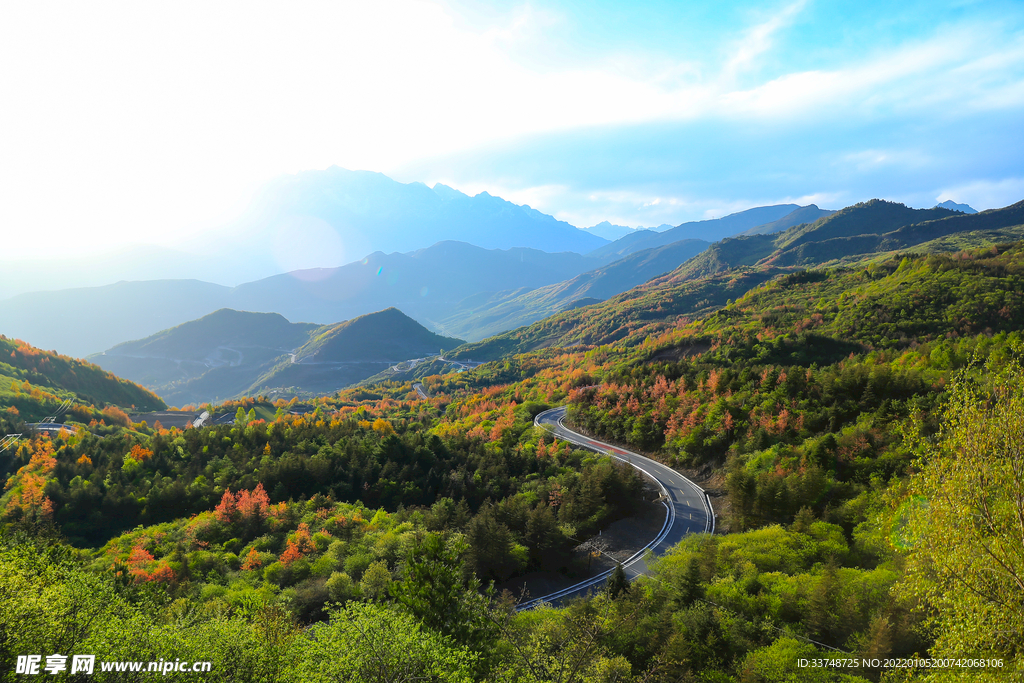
pixel 859 428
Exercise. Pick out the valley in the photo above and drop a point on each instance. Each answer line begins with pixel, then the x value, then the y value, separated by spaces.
pixel 784 384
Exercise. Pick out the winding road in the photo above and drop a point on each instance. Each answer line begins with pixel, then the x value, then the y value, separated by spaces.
pixel 687 506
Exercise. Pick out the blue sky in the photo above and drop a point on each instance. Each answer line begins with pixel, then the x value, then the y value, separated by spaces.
pixel 804 101
pixel 153 123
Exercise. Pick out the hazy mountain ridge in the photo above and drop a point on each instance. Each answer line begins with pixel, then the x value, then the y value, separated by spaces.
pixel 610 231
pixel 473 291
pixel 88 320
pixel 874 217
pixel 371 212
pixel 426 283
pixel 805 214
pixel 709 230
pixel 953 206
pixel 215 357
pixel 313 219
pixel 507 310
pixel 387 335
pixel 196 339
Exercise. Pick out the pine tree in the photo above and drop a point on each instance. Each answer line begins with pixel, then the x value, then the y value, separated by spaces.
pixel 617 582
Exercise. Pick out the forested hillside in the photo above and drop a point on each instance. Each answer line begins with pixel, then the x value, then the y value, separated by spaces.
pixel 822 409
pixel 851 234
pixel 727 269
pixel 33 383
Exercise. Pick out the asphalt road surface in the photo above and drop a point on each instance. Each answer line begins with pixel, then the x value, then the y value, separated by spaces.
pixel 687 506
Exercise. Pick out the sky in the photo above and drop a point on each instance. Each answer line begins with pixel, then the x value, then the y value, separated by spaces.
pixel 128 122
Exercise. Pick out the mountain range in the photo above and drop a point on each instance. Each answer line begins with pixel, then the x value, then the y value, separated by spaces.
pixel 312 219
pixel 462 290
pixel 848 235
pixel 442 285
pixel 323 218
pixel 804 214
pixel 612 232
pixel 950 204
pixel 426 284
pixel 231 353
pixel 709 231
pixel 863 233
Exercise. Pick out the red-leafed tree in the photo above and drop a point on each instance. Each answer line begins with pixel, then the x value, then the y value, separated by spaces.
pixel 291 553
pixel 226 511
pixel 253 506
pixel 252 560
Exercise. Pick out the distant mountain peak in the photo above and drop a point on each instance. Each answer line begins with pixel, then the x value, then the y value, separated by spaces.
pixel 953 206
pixel 361 212
pixel 610 231
pixel 446 192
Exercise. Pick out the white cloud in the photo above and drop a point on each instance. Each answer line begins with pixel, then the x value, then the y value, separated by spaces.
pixel 872 159
pixel 152 121
pixel 759 39
pixel 823 200
pixel 963 71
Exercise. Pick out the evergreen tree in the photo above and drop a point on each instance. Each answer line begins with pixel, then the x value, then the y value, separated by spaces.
pixel 438 589
pixel 617 582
